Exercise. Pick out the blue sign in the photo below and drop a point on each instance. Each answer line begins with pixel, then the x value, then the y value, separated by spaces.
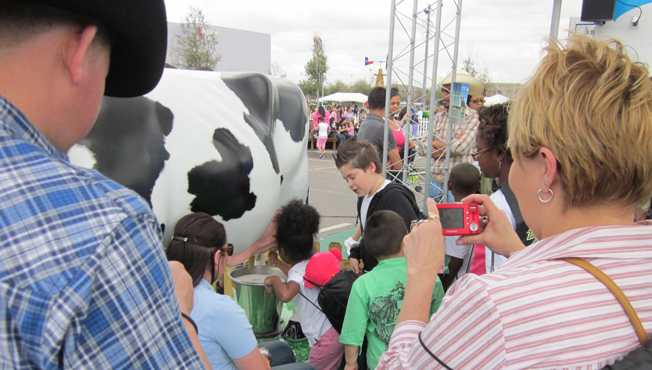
pixel 625 6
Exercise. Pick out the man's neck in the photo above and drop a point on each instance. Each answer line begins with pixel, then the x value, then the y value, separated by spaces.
pixel 378 112
pixel 458 197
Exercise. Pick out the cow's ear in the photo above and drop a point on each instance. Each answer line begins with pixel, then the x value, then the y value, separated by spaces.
pixel 165 117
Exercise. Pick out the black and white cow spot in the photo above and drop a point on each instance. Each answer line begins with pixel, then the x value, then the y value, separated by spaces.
pixel 128 142
pixel 222 188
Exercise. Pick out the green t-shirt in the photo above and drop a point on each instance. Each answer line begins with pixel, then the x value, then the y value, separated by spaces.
pixel 374 304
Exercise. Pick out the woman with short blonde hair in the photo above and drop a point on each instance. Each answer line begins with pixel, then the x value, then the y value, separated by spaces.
pixel 580 133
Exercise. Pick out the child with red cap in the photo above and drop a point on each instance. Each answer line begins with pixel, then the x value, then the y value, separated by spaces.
pixel 322 267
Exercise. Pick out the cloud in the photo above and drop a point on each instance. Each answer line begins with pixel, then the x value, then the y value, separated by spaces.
pixel 506 34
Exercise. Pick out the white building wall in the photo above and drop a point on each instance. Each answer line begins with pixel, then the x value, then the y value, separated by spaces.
pixel 242 51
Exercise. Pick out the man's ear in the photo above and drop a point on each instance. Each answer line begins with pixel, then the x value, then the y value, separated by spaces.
pixel 77 49
pixel 366 105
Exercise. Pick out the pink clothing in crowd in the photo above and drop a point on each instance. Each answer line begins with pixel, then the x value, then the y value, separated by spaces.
pixel 315 117
pixel 538 311
pixel 350 130
pixel 399 136
pixel 478 263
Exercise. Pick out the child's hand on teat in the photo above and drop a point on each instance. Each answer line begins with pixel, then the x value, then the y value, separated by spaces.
pixel 269 283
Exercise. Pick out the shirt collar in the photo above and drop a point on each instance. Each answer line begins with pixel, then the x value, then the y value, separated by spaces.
pixel 204 285
pixel 17 124
pixel 389 262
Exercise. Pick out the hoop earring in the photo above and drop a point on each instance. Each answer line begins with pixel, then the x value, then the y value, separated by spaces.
pixel 545 201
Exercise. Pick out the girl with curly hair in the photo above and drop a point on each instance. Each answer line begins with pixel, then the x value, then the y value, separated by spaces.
pixel 298 223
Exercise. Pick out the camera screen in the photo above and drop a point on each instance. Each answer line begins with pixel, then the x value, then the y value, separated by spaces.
pixel 452 218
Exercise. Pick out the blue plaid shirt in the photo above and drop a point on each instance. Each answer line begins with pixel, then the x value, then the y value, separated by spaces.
pixel 84 283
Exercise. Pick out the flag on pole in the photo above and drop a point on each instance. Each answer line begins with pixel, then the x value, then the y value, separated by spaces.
pixel 367 62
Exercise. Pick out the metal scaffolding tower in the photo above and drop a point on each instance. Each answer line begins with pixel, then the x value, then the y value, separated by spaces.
pixel 444 41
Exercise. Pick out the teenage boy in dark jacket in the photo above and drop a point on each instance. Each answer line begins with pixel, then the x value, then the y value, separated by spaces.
pixel 359 164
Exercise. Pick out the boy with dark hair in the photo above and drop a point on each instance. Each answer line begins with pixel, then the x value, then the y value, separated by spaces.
pixel 359 165
pixel 376 297
pixel 373 128
pixel 464 180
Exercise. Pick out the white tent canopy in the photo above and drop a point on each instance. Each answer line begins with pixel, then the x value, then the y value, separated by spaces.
pixel 345 97
pixel 496 99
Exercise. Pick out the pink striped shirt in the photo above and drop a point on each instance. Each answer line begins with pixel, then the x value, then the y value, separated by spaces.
pixel 538 312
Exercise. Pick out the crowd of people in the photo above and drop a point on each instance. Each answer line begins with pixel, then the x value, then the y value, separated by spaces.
pixel 335 122
pixel 85 281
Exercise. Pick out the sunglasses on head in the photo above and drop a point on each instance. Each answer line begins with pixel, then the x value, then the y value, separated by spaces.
pixel 228 250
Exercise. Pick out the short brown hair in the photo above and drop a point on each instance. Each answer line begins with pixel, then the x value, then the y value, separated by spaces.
pixel 465 178
pixel 592 106
pixel 383 233
pixel 357 154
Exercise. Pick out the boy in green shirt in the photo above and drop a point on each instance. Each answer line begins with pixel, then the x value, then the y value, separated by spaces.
pixel 377 296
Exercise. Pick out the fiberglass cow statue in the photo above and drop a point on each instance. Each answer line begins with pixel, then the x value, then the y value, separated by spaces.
pixel 232 145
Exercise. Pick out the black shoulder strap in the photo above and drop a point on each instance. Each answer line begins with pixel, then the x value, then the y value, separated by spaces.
pixel 432 354
pixel 522 230
pixel 317 307
pixel 313 303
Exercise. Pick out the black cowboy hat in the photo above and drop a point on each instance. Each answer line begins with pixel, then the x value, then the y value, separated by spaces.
pixel 140 35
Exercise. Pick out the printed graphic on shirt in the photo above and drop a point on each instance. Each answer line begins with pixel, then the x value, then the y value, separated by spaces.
pixel 531 237
pixel 383 312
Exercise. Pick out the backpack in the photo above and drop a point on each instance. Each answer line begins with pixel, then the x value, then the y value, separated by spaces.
pixel 334 296
pixel 638 359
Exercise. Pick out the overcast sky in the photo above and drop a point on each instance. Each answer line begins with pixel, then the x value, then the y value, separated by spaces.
pixel 505 35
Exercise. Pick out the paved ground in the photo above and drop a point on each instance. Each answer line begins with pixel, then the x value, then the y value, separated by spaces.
pixel 331 196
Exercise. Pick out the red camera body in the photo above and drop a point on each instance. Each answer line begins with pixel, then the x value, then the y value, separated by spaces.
pixel 459 218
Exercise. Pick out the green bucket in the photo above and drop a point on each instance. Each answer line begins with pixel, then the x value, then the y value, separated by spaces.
pixel 263 309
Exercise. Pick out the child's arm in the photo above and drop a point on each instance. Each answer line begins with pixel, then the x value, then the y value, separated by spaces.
pixel 284 292
pixel 351 355
pixel 357 234
pixel 274 260
pixel 454 266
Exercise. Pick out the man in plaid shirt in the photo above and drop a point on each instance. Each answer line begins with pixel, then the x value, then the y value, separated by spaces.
pixel 462 144
pixel 84 283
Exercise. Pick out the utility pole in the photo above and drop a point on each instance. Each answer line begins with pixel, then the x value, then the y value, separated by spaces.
pixel 554 24
pixel 425 60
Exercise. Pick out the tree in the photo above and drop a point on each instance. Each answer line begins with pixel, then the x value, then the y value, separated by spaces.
pixel 276 69
pixel 197 42
pixel 317 67
pixel 309 88
pixel 475 69
pixel 361 86
pixel 337 86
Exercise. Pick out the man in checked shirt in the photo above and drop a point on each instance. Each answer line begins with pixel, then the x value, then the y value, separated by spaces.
pixel 84 283
pixel 462 144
